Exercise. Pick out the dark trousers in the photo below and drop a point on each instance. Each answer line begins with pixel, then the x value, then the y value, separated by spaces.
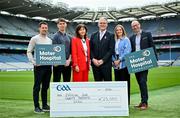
pixel 123 75
pixel 61 69
pixel 42 75
pixel 102 73
pixel 141 78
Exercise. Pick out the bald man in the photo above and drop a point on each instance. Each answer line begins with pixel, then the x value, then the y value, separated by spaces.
pixel 141 40
pixel 102 47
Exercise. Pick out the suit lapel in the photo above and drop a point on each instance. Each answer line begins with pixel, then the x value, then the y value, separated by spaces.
pixel 134 42
pixel 142 38
pixel 104 37
pixel 81 45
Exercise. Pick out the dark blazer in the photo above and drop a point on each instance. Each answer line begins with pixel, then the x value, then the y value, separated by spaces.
pixel 145 42
pixel 102 49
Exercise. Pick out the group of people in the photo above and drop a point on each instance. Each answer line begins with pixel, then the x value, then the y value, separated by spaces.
pixel 102 51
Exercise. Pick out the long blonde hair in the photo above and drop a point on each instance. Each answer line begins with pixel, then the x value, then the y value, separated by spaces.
pixel 124 31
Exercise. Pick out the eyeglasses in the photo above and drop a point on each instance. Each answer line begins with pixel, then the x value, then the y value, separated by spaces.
pixel 135 25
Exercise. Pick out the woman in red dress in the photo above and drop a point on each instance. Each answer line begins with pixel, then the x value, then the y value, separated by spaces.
pixel 80 54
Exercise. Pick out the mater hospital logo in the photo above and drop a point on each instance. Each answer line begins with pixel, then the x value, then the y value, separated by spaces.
pixel 57 48
pixel 146 53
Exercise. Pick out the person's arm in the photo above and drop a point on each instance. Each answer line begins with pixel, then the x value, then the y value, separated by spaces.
pixel 151 44
pixel 127 49
pixel 30 49
pixel 92 47
pixel 92 55
pixel 74 53
pixel 54 39
pixel 68 61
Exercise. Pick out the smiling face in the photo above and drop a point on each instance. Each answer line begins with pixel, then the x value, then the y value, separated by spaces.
pixel 82 32
pixel 136 27
pixel 119 32
pixel 43 29
pixel 102 24
pixel 62 26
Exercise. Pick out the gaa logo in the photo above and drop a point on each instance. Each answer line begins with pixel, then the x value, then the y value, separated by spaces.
pixel 146 53
pixel 57 48
pixel 63 88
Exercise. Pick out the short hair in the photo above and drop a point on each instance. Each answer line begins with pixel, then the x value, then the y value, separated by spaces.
pixel 42 22
pixel 103 17
pixel 135 21
pixel 78 27
pixel 61 20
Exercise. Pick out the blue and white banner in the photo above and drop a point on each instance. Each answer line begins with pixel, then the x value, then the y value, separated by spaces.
pixel 50 54
pixel 141 60
pixel 76 99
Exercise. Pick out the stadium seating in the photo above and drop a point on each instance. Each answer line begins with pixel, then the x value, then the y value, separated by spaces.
pixel 169 56
pixel 11 25
pixel 11 62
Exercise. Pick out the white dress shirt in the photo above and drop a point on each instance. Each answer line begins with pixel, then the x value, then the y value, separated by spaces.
pixel 102 34
pixel 83 41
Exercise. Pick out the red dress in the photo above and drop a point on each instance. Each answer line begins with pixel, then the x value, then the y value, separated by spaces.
pixel 80 59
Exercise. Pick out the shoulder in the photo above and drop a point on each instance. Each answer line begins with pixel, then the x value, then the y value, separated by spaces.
pixel 88 39
pixel 35 37
pixel 75 38
pixel 55 35
pixel 48 38
pixel 146 33
pixel 69 36
pixel 126 38
pixel 131 36
pixel 94 33
pixel 109 33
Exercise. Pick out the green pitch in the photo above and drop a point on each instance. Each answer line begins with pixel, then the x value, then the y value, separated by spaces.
pixel 163 83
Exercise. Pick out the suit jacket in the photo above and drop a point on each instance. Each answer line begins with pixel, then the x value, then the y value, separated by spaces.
pixel 78 54
pixel 145 42
pixel 102 49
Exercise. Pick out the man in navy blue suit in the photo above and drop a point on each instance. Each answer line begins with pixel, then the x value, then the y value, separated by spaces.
pixel 102 47
pixel 141 40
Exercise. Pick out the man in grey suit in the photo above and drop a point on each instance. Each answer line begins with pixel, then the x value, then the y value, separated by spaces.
pixel 102 47
pixel 141 40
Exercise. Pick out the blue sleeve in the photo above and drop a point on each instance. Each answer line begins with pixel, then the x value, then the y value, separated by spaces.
pixel 127 49
pixel 54 39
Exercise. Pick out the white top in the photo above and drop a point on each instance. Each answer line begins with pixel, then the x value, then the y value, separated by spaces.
pixel 116 46
pixel 83 41
pixel 102 34
pixel 138 40
pixel 38 39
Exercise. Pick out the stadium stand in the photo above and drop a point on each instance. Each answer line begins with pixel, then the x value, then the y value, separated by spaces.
pixel 15 32
pixel 11 62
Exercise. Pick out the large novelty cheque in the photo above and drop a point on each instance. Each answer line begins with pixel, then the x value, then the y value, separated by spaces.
pixel 76 99
pixel 50 54
pixel 141 60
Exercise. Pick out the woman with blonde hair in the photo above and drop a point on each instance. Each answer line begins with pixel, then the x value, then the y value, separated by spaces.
pixel 122 47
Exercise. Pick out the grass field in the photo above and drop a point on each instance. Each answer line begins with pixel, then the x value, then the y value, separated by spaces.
pixel 163 83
